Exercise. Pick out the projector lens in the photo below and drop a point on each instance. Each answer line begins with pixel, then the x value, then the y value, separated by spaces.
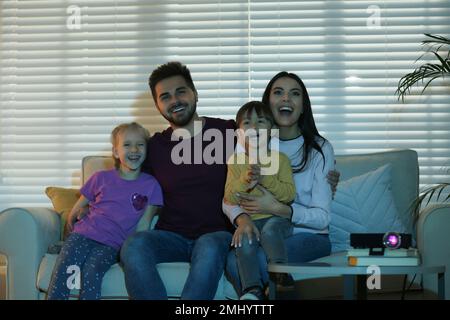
pixel 392 240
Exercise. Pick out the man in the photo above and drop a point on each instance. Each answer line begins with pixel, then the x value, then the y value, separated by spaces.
pixel 191 227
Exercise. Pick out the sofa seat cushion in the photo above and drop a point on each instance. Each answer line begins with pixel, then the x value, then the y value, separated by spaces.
pixel 174 276
pixel 229 291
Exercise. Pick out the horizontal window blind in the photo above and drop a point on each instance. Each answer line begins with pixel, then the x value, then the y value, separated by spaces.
pixel 72 70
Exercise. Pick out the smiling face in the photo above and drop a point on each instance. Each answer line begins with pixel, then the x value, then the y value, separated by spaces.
pixel 254 121
pixel 256 130
pixel 286 102
pixel 130 148
pixel 176 101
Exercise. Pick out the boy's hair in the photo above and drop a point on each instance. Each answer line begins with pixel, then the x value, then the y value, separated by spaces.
pixel 168 70
pixel 260 108
pixel 126 127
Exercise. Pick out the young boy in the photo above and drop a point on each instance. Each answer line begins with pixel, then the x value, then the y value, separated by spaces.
pixel 254 164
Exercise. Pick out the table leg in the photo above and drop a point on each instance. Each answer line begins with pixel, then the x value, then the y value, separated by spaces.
pixel 272 286
pixel 441 286
pixel 349 287
pixel 361 287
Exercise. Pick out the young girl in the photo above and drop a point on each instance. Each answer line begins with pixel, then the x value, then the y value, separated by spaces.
pixel 245 173
pixel 121 201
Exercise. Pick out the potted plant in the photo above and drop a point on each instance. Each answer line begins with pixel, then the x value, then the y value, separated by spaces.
pixel 439 47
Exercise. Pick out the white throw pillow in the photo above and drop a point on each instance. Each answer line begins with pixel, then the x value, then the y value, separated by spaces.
pixel 363 204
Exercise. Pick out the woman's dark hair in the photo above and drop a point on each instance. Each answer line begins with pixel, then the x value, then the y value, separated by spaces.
pixel 305 122
pixel 261 109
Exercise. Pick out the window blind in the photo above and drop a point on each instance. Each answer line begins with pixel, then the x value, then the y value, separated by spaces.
pixel 72 70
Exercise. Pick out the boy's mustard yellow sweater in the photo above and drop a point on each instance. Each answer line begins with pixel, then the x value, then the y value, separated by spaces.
pixel 281 184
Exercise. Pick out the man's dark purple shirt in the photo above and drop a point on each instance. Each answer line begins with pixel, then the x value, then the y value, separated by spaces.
pixel 192 192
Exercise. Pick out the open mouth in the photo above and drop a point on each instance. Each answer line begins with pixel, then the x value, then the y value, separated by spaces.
pixel 178 108
pixel 286 109
pixel 134 158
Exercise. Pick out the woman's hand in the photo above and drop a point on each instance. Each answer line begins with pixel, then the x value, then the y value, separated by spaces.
pixel 333 180
pixel 245 226
pixel 265 204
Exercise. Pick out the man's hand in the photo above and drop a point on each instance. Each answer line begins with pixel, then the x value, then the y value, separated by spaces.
pixel 245 226
pixel 333 180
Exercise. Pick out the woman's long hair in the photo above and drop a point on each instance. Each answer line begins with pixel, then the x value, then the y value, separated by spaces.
pixel 305 122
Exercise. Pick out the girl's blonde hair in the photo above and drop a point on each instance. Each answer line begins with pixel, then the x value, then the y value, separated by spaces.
pixel 121 128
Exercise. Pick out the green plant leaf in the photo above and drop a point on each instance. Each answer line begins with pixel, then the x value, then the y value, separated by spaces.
pixel 428 72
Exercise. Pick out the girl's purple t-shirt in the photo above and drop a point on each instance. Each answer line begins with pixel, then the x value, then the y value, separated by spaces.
pixel 116 205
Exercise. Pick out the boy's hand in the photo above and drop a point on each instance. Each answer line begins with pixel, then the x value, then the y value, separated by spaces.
pixel 253 176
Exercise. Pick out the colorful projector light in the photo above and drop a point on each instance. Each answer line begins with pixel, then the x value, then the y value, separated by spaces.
pixel 392 240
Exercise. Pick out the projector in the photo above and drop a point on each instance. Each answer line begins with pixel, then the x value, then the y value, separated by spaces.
pixel 389 240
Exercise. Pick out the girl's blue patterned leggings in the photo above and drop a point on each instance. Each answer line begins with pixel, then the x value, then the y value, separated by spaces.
pixel 81 264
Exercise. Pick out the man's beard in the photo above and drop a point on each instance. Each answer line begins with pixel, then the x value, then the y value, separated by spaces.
pixel 183 120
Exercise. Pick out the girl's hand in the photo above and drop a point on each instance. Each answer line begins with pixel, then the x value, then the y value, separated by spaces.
pixel 245 226
pixel 76 215
pixel 71 219
pixel 265 204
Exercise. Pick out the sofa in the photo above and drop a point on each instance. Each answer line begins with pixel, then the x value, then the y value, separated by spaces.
pixel 27 233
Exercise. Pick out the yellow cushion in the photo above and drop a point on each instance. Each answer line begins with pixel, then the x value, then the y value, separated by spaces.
pixel 63 200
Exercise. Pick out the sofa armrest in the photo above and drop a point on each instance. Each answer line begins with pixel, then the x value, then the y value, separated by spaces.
pixel 433 242
pixel 25 234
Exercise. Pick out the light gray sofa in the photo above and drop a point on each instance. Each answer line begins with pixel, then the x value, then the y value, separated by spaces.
pixel 26 233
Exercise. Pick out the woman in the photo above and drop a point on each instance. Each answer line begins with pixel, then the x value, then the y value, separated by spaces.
pixel 312 158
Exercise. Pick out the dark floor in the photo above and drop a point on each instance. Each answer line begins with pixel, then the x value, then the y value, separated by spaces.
pixel 412 294
pixel 314 290
pixel 416 295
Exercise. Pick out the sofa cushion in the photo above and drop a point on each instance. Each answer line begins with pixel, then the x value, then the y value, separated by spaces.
pixel 363 204
pixel 63 200
pixel 405 176
pixel 174 276
pixel 92 164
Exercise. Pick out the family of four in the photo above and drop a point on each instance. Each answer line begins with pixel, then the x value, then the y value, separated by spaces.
pixel 205 208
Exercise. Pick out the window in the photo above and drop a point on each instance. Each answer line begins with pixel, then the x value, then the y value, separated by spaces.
pixel 72 70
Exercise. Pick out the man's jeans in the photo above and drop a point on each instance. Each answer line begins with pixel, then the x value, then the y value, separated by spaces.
pixel 301 247
pixel 144 250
